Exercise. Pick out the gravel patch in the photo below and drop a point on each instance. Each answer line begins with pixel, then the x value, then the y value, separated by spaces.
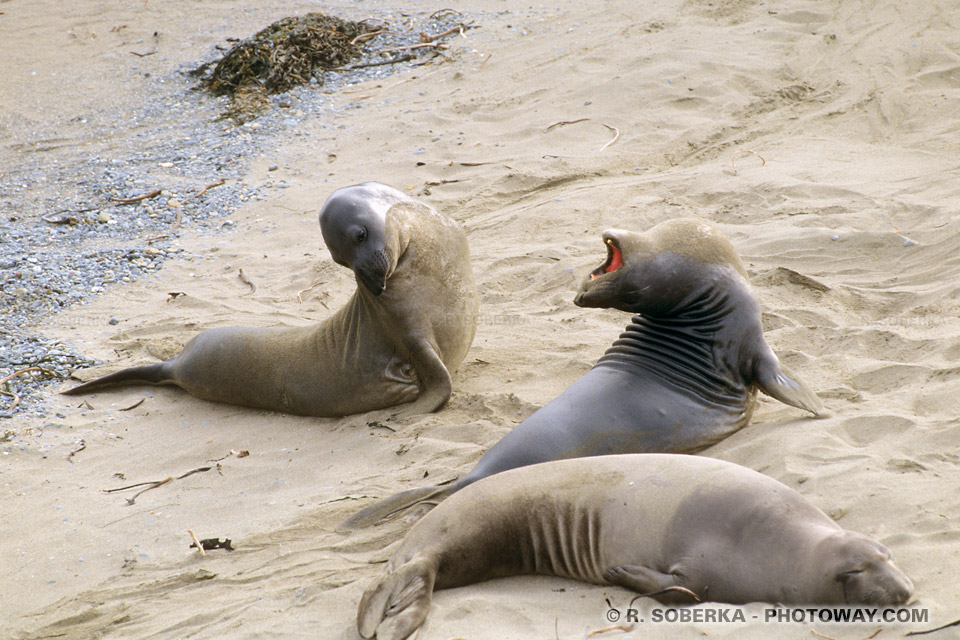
pixel 63 241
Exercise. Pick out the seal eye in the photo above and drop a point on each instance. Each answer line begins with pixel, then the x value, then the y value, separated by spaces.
pixel 846 575
pixel 360 236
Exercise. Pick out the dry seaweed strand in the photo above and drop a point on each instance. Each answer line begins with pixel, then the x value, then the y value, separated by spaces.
pixel 935 629
pixel 308 289
pixel 613 627
pixel 562 123
pixel 426 37
pixel 134 405
pixel 411 47
pixel 20 372
pixel 196 543
pixel 616 135
pixel 245 280
pixel 80 447
pixel 154 484
pixel 152 194
pixel 826 637
pixel 196 194
pixel 369 35
pixel 733 159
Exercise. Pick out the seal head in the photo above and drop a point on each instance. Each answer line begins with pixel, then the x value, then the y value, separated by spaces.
pixel 658 272
pixel 354 225
pixel 864 569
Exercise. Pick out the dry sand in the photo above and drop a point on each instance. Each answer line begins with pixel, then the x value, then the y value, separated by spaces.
pixel 822 136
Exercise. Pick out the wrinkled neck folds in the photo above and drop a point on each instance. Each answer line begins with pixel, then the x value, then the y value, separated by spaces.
pixel 696 348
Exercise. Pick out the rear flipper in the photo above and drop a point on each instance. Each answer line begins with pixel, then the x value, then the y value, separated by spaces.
pixel 145 374
pixel 778 383
pixel 382 509
pixel 396 606
pixel 650 582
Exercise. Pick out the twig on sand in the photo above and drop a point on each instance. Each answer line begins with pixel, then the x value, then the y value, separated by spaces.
pixel 245 280
pixel 613 627
pixel 243 453
pixel 60 220
pixel 16 399
pixel 218 183
pixel 444 12
pixel 178 205
pixel 562 123
pixel 940 628
pixel 134 405
pixel 19 372
pixel 80 447
pixel 733 160
pixel 368 35
pixel 146 196
pixel 308 289
pixel 426 37
pixel 409 47
pixel 826 637
pixel 402 58
pixel 616 135
pixel 196 542
pixel 480 164
pixel 154 484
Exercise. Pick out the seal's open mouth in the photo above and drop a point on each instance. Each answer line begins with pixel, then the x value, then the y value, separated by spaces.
pixel 613 262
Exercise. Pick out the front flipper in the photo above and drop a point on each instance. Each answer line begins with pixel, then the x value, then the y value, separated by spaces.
pixel 774 381
pixel 435 382
pixel 650 582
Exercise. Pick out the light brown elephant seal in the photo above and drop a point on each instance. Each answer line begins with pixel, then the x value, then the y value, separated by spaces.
pixel 679 528
pixel 410 322
pixel 682 376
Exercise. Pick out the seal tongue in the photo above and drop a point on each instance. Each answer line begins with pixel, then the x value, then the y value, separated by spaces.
pixel 614 260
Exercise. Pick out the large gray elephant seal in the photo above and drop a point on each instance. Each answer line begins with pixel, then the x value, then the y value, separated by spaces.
pixel 410 322
pixel 682 376
pixel 675 527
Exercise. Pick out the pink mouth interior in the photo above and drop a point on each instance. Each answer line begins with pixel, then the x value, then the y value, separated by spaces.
pixel 616 260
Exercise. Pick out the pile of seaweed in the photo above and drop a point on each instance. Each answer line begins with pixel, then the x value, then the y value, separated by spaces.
pixel 284 55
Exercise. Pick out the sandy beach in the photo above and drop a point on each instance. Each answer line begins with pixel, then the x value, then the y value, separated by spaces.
pixel 820 136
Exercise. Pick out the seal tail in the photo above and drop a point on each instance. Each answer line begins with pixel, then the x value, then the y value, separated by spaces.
pixel 385 508
pixel 148 373
pixel 396 606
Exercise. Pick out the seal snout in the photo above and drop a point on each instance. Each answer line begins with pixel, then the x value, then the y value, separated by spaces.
pixel 374 271
pixel 614 256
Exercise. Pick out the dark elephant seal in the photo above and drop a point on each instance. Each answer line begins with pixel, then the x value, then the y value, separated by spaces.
pixel 681 377
pixel 410 322
pixel 678 528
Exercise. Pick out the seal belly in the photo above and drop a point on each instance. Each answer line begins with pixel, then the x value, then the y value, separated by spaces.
pixel 610 411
